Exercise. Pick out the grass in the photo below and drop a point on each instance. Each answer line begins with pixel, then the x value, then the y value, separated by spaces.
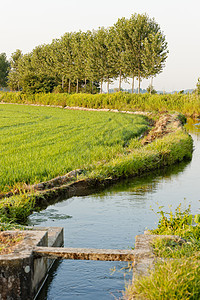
pixel 15 210
pixel 138 159
pixel 175 279
pixel 40 143
pixel 178 275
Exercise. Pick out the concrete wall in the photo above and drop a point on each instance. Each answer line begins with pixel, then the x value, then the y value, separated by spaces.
pixel 21 274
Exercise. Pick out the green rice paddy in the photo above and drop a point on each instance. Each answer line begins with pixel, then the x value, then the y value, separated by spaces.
pixel 40 143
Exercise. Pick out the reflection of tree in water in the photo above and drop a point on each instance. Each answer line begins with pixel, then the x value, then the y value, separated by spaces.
pixel 193 127
pixel 147 182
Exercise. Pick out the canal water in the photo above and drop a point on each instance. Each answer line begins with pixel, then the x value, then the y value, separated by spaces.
pixel 111 219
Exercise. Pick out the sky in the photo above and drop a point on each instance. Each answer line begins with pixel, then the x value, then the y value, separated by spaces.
pixel 25 24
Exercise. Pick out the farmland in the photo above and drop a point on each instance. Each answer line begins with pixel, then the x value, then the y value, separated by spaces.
pixel 39 143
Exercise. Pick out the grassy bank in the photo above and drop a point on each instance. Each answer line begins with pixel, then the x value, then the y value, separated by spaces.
pixel 177 274
pixel 188 105
pixel 139 159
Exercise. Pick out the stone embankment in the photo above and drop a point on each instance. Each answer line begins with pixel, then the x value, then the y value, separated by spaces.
pixel 21 274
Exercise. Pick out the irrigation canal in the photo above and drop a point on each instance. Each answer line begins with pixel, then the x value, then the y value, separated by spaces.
pixel 111 219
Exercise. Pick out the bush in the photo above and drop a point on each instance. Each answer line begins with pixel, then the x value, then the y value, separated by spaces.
pixel 188 105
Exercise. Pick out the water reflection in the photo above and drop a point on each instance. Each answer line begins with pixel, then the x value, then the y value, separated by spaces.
pixel 148 182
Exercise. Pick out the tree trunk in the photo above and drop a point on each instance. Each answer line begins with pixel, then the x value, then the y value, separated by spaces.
pixel 133 84
pixel 151 85
pixel 108 86
pixel 101 85
pixel 62 82
pixel 69 88
pixel 77 86
pixel 92 87
pixel 85 84
pixel 120 79
pixel 139 79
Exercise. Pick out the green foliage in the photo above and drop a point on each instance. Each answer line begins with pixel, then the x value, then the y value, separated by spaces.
pixel 176 279
pixel 33 84
pixel 177 248
pixel 15 73
pixel 132 47
pixel 178 223
pixel 162 152
pixel 16 209
pixel 188 105
pixel 198 86
pixel 4 70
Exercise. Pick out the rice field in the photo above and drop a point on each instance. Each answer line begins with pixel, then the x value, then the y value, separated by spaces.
pixel 40 143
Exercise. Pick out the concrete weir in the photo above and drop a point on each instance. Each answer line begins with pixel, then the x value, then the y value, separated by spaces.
pixel 21 273
pixel 85 254
pixel 24 269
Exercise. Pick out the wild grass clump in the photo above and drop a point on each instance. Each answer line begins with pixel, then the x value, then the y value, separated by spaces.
pixel 178 275
pixel 181 223
pixel 15 210
pixel 177 279
pixel 188 104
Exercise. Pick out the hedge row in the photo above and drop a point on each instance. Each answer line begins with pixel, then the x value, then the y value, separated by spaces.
pixel 186 104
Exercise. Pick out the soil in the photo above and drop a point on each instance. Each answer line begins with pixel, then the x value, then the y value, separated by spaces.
pixel 8 241
pixel 166 124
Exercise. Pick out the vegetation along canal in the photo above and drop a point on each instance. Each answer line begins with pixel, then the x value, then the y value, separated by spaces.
pixel 111 219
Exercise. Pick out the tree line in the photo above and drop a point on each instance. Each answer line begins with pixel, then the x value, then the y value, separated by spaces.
pixel 133 48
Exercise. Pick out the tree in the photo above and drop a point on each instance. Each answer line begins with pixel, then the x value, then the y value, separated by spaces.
pixel 133 47
pixel 40 83
pixel 198 86
pixel 151 89
pixel 125 62
pixel 36 71
pixel 154 54
pixel 114 60
pixel 61 50
pixel 99 58
pixel 4 70
pixel 93 63
pixel 145 46
pixel 136 30
pixel 14 77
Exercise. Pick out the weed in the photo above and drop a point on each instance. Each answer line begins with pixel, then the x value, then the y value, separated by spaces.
pixel 186 104
pixel 16 209
pixel 178 275
pixel 174 279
